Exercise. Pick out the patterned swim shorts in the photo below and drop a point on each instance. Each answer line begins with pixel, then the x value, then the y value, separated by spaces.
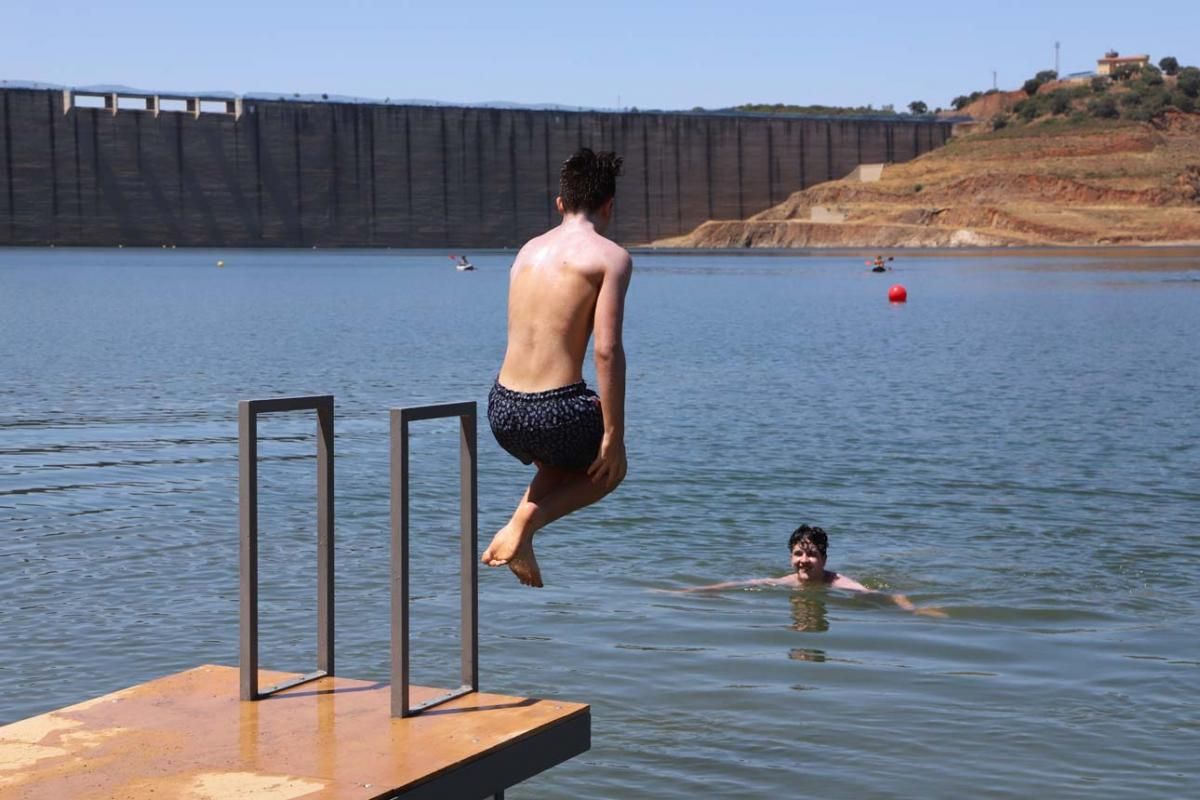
pixel 559 428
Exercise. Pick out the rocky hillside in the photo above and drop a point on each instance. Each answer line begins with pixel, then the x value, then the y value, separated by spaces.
pixel 1056 182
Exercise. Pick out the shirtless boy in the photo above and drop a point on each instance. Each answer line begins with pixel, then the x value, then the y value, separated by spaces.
pixel 565 286
pixel 809 546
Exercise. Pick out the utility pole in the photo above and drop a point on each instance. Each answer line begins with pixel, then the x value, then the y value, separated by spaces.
pixel 1056 58
pixel 994 79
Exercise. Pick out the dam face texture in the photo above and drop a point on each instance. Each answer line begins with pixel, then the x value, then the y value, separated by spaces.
pixel 272 173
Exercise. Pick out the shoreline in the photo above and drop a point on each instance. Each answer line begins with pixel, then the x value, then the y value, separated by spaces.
pixel 649 249
pixel 1172 248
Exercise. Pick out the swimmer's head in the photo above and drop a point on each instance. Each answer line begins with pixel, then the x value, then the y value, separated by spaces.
pixel 808 546
pixel 811 536
pixel 588 181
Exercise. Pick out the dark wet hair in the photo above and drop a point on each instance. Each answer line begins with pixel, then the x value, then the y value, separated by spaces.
pixel 588 180
pixel 809 534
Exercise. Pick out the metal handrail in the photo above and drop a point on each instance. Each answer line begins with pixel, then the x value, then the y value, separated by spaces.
pixel 469 540
pixel 248 411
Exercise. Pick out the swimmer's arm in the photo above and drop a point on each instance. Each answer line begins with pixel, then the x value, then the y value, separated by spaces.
pixel 907 605
pixel 851 585
pixel 716 587
pixel 609 466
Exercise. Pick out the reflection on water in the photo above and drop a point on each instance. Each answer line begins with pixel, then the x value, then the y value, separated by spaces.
pixel 807 654
pixel 808 611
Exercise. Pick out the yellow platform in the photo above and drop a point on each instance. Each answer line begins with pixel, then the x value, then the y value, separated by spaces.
pixel 188 736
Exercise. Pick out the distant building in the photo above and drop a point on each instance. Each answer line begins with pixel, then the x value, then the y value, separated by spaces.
pixel 1113 60
pixel 1077 77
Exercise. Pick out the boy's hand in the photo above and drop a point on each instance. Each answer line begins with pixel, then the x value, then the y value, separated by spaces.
pixel 931 612
pixel 609 467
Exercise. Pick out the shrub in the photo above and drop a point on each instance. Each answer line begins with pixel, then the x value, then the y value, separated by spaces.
pixel 964 100
pixel 1142 104
pixel 1027 110
pixel 1100 84
pixel 999 122
pixel 1151 76
pixel 1188 81
pixel 1060 101
pixel 1103 107
pixel 918 187
pixel 1045 76
pixel 1169 65
pixel 1031 86
pixel 1077 118
pixel 1182 101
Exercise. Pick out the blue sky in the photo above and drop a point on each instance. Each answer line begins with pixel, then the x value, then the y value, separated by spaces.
pixel 644 54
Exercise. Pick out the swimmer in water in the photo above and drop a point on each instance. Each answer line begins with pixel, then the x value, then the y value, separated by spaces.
pixel 809 546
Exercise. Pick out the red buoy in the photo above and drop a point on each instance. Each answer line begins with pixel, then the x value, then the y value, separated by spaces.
pixel 898 294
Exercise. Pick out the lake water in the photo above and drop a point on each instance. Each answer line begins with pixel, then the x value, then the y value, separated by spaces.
pixel 1017 445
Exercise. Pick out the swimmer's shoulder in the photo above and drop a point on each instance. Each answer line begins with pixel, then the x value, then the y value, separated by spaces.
pixel 835 580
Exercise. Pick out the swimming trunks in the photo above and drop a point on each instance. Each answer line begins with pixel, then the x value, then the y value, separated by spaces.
pixel 559 427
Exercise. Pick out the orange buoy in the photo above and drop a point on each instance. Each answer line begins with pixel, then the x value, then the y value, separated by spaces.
pixel 898 294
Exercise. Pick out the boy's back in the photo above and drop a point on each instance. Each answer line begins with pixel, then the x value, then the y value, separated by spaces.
pixel 554 286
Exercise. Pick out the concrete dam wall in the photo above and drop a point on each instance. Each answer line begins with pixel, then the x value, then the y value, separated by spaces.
pixel 269 173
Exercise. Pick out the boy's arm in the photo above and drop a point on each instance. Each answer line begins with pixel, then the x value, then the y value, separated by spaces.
pixel 842 582
pixel 609 466
pixel 907 605
pixel 716 587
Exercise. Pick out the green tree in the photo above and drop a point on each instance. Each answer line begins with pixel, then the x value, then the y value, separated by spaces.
pixel 1031 86
pixel 1104 107
pixel 1144 103
pixel 1188 81
pixel 960 102
pixel 918 107
pixel 1169 65
pixel 1045 76
pixel 1151 76
pixel 1183 102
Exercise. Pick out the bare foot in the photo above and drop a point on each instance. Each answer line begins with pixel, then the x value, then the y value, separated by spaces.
pixel 509 547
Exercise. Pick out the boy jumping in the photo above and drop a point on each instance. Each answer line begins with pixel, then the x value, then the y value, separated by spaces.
pixel 564 286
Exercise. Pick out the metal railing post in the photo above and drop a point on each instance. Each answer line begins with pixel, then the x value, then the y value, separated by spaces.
pixel 248 411
pixel 469 541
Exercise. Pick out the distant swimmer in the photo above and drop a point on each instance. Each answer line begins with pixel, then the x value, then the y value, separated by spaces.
pixel 564 286
pixel 880 264
pixel 809 546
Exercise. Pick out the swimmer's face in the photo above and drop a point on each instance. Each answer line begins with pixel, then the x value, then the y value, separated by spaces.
pixel 808 562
